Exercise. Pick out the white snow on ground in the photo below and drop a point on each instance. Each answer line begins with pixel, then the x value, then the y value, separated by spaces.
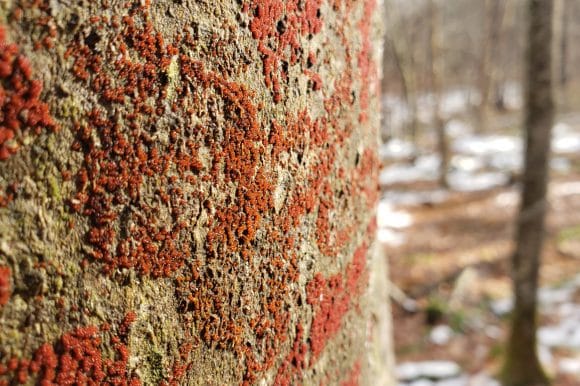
pixel 467 182
pixel 565 139
pixel 560 164
pixel 388 217
pixel 500 153
pixel 396 114
pixel 507 161
pixel 565 188
pixel 479 162
pixel 457 128
pixel 566 144
pixel 570 365
pixel 396 149
pixel 424 168
pixel 455 101
pixel 391 237
pixel 467 163
pixel 553 336
pixel 507 199
pixel 416 198
pixel 487 145
pixel 441 335
pixel 429 369
pixel 390 223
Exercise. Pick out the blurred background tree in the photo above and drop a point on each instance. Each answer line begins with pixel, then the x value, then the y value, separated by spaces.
pixel 522 366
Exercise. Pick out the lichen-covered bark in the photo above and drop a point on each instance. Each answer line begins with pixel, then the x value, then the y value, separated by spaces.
pixel 187 191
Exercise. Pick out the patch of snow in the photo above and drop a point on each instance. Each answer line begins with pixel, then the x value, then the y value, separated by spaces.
pixel 569 310
pixel 566 144
pixel 553 336
pixel 502 307
pixel 390 237
pixel 507 199
pixel 415 198
pixel 467 163
pixel 549 296
pixel 388 217
pixel 467 182
pixel 574 341
pixel 455 101
pixel 487 145
pixel 561 128
pixel 507 161
pixel 569 365
pixel 425 168
pixel 560 164
pixel 396 115
pixel 545 355
pixel 565 140
pixel 441 335
pixel 408 371
pixel 513 96
pixel 397 149
pixel 429 369
pixel 565 188
pixel 456 128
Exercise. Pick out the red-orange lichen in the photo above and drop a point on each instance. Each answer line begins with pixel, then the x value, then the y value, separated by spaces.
pixel 290 371
pixel 5 286
pixel 76 359
pixel 277 26
pixel 143 195
pixel 20 106
pixel 331 300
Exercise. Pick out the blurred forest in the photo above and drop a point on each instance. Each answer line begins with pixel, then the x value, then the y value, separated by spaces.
pixel 452 161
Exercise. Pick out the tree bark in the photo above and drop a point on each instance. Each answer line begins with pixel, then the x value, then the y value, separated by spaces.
pixel 562 11
pixel 435 71
pixel 187 191
pixel 522 367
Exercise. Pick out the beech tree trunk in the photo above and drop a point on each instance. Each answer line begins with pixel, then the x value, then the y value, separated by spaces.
pixel 522 367
pixel 188 192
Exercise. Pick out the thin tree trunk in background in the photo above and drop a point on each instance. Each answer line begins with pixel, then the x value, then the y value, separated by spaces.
pixel 413 84
pixel 483 77
pixel 561 37
pixel 496 37
pixel 488 67
pixel 404 77
pixel 522 367
pixel 564 44
pixel 435 83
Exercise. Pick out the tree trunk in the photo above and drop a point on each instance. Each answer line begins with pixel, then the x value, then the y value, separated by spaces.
pixel 522 367
pixel 561 36
pixel 187 191
pixel 435 71
pixel 494 11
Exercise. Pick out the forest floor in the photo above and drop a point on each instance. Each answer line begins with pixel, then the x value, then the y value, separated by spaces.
pixel 449 253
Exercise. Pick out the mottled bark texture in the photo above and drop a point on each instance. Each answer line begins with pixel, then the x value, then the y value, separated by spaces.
pixel 187 191
pixel 522 367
